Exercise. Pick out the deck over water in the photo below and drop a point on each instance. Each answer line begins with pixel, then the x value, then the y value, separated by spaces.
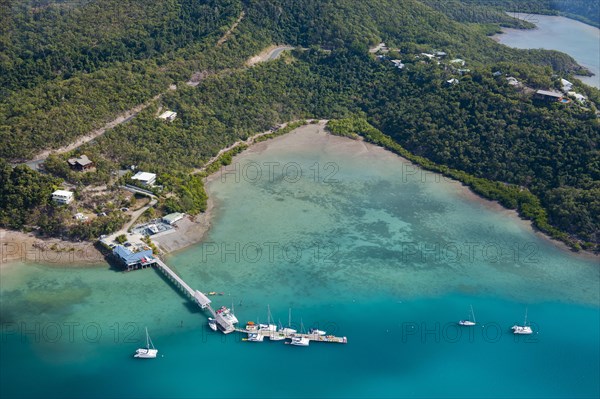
pixel 311 337
pixel 204 302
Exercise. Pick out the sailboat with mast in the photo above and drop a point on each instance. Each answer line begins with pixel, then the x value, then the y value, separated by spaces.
pixel 289 330
pixel 471 321
pixel 149 352
pixel 300 339
pixel 271 327
pixel 524 329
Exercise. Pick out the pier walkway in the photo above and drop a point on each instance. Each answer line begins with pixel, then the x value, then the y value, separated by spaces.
pixel 226 320
pixel 202 300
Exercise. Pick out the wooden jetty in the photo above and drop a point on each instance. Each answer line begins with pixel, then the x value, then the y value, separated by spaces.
pixel 226 320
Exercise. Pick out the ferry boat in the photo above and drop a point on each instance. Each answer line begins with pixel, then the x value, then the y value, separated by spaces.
pixel 147 352
pixel 225 319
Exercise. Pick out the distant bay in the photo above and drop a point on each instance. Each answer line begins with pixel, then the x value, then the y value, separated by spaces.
pixel 580 41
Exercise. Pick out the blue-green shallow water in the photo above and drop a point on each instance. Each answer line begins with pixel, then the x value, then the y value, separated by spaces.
pixel 380 256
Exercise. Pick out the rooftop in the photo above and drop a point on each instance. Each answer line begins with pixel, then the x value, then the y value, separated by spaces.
pixel 82 160
pixel 130 258
pixel 167 115
pixel 63 193
pixel 549 93
pixel 144 176
pixel 173 217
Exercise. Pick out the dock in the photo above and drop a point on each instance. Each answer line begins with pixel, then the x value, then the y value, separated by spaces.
pixel 201 300
pixel 310 337
pixel 225 319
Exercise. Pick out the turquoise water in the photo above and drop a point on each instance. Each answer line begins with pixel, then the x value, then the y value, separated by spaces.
pixel 369 247
pixel 580 41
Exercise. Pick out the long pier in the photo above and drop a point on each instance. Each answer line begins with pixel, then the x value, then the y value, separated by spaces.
pixel 226 320
pixel 202 300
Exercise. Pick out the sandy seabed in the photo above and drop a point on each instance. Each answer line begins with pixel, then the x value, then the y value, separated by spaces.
pixel 18 247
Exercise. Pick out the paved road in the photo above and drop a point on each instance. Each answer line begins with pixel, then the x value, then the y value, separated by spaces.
pixel 273 55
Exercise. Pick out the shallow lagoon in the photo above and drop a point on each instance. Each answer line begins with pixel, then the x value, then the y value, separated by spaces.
pixel 360 243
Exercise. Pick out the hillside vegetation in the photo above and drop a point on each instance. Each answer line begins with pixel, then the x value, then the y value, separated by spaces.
pixel 587 11
pixel 492 133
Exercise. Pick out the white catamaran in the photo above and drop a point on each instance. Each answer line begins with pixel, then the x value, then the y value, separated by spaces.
pixel 524 329
pixel 471 321
pixel 149 352
pixel 300 340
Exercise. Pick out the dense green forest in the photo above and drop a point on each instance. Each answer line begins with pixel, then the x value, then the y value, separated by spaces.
pixel 56 40
pixel 587 11
pixel 533 156
pixel 64 98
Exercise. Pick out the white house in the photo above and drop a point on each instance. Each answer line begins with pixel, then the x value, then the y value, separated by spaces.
pixel 566 85
pixel 168 116
pixel 458 61
pixel 548 95
pixel 579 97
pixel 398 64
pixel 147 179
pixel 62 196
pixel 172 218
pixel 513 81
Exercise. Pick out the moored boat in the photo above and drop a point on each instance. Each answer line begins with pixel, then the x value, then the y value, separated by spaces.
pixel 524 329
pixel 255 337
pixel 226 320
pixel 149 352
pixel 300 341
pixel 212 323
pixel 471 321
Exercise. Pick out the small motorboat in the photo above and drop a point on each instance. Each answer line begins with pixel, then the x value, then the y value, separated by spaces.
pixel 300 341
pixel 212 323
